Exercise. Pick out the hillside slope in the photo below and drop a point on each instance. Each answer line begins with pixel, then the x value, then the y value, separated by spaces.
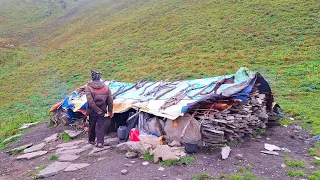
pixel 57 42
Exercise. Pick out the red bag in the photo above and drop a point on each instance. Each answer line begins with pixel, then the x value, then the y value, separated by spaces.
pixel 133 134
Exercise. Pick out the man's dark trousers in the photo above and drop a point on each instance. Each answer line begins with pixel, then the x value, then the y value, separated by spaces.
pixel 98 121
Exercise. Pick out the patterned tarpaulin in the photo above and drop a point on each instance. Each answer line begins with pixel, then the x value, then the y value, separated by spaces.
pixel 154 97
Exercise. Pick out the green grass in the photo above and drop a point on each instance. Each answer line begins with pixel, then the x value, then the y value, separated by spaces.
pixel 314 175
pixel 17 151
pixel 180 162
pixel 317 162
pixel 148 157
pixel 65 137
pixel 144 39
pixel 241 169
pixel 200 177
pixel 250 176
pixel 315 151
pixel 299 174
pixel 248 167
pixel 35 172
pixel 293 163
pixel 53 157
pixel 239 176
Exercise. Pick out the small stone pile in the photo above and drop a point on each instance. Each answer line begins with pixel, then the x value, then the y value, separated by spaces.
pixel 235 122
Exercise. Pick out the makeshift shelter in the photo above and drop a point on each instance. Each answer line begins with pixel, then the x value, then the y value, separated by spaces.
pixel 214 109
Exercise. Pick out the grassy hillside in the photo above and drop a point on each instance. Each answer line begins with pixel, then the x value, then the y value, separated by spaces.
pixel 58 42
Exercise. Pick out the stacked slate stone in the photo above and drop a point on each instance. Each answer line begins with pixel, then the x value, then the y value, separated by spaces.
pixel 236 122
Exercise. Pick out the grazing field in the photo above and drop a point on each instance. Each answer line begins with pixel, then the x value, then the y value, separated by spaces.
pixel 47 49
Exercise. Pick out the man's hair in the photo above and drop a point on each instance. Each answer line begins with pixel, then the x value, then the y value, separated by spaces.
pixel 95 75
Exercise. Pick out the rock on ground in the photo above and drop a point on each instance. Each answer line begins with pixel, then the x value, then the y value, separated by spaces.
pixel 71 151
pixel 72 143
pixel 68 157
pixel 96 149
pixel 35 148
pixel 271 147
pixel 32 155
pixel 225 151
pixel 51 138
pixel 145 163
pixel 74 167
pixel 131 145
pixel 66 148
pixel 19 148
pixel 165 153
pixel 53 169
pixel 270 152
pixel 27 125
pixel 239 156
pixel 131 155
pixel 72 133
pixel 11 137
pixel 112 141
pixel 124 171
pixel 175 144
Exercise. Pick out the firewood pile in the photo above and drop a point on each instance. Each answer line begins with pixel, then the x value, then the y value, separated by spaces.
pixel 235 121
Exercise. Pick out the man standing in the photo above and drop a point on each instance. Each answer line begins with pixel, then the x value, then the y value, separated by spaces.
pixel 99 97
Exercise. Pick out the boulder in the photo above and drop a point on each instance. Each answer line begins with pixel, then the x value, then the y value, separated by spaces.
pixel 174 144
pixel 124 171
pixel 131 145
pixel 131 155
pixel 165 153
pixel 192 133
pixel 225 151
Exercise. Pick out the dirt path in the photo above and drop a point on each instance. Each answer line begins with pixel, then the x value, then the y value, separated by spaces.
pixel 109 164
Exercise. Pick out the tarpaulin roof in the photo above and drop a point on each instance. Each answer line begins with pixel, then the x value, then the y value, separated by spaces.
pixel 170 99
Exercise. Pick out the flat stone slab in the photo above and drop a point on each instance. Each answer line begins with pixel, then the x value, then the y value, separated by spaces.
pixel 35 148
pixel 72 143
pixel 74 167
pixel 32 155
pixel 19 148
pixel 27 125
pixel 270 152
pixel 51 138
pixel 225 151
pixel 68 157
pixel 72 133
pixel 88 146
pixel 66 148
pixel 53 169
pixel 271 147
pixel 96 150
pixel 11 137
pixel 71 151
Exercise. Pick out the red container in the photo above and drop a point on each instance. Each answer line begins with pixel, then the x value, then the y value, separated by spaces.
pixel 134 134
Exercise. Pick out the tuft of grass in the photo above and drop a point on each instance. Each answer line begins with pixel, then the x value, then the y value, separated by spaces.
pixel 293 163
pixel 317 162
pixel 53 157
pixel 17 151
pixel 261 131
pixel 299 174
pixel 180 162
pixel 35 172
pixel 315 151
pixel 223 176
pixel 65 137
pixel 235 177
pixel 148 157
pixel 200 177
pixel 241 169
pixel 250 176
pixel 249 166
